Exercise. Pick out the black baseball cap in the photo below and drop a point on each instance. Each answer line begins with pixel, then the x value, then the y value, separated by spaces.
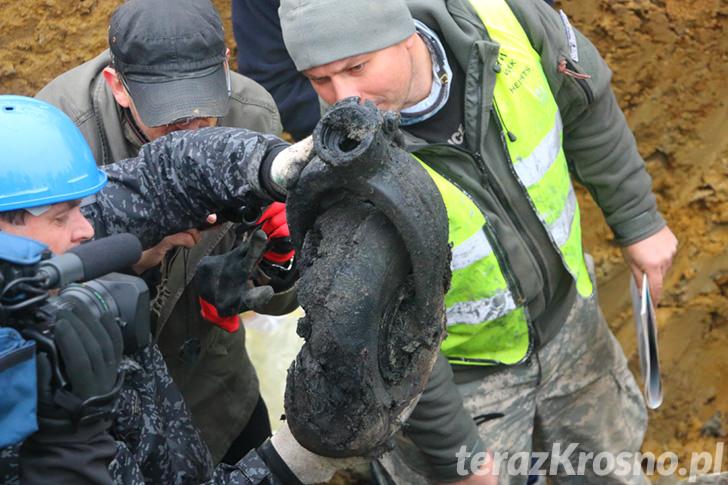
pixel 171 57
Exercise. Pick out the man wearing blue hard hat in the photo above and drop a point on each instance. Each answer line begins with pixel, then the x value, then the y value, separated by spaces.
pixel 48 175
pixel 166 70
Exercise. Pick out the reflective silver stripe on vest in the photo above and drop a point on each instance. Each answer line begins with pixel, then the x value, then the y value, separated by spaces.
pixel 560 229
pixel 474 312
pixel 473 249
pixel 533 168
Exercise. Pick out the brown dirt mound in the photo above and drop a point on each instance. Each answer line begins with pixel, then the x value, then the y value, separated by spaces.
pixel 670 63
pixel 41 39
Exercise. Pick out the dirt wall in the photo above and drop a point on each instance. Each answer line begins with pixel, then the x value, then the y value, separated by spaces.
pixel 670 63
pixel 40 39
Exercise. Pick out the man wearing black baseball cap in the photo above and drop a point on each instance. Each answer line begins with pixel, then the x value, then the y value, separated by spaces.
pixel 169 65
pixel 166 70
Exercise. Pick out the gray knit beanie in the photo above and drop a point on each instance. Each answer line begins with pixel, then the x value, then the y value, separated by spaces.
pixel 317 32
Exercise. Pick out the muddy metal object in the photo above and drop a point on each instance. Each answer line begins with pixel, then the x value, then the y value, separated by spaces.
pixel 374 258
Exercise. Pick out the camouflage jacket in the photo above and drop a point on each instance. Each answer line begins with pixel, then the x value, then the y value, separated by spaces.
pixel 177 180
pixel 156 442
pixel 216 377
pixel 172 185
pixel 219 360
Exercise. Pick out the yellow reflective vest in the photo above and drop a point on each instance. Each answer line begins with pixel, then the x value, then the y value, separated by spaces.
pixel 485 324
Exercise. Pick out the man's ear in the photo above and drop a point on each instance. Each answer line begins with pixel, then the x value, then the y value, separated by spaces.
pixel 117 87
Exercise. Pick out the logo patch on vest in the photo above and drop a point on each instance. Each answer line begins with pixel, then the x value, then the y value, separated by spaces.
pixel 515 73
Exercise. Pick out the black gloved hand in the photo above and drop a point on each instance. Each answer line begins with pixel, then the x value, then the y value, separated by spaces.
pixel 90 351
pixel 223 280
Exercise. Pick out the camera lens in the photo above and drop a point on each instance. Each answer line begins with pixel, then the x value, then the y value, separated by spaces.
pixel 93 296
pixel 123 297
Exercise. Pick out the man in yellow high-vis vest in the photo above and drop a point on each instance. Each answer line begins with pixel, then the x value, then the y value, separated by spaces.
pixel 505 102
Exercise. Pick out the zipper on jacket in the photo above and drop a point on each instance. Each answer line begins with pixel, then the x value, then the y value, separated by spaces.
pixel 480 163
pixel 520 226
pixel 500 253
pixel 568 69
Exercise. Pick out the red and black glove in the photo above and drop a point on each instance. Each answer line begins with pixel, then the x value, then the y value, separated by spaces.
pixel 275 225
pixel 223 283
pixel 208 311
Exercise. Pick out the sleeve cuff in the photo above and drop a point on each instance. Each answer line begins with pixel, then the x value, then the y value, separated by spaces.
pixel 264 175
pixel 638 228
pixel 448 472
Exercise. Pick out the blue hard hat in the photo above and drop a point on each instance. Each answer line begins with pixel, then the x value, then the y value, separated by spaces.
pixel 44 158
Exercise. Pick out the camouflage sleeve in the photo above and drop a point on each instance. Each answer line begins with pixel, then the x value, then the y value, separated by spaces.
pixel 10 465
pixel 153 427
pixel 177 180
pixel 251 469
pixel 261 466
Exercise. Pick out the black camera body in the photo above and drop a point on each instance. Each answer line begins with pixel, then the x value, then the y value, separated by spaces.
pixel 34 286
pixel 124 297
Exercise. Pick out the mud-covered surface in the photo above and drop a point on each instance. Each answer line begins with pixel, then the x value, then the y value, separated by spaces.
pixel 334 392
pixel 670 63
pixel 374 268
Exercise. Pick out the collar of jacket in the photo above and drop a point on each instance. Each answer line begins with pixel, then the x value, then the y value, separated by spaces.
pixel 132 132
pixel 441 80
pixel 462 31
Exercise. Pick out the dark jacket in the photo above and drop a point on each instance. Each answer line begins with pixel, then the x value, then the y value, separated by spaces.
pixel 156 440
pixel 263 57
pixel 599 147
pixel 209 365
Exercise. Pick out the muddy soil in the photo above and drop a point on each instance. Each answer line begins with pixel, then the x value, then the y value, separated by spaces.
pixel 40 39
pixel 670 63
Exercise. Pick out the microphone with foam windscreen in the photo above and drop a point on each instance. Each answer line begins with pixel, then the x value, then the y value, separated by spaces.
pixel 91 260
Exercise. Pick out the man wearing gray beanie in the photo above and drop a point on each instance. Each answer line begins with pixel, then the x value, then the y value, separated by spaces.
pixel 504 100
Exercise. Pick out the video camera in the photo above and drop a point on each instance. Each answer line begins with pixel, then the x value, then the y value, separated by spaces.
pixel 85 276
